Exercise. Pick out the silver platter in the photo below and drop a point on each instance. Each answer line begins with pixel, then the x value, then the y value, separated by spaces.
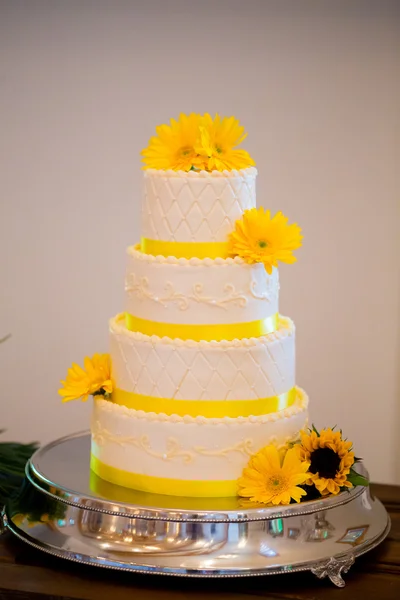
pixel 66 510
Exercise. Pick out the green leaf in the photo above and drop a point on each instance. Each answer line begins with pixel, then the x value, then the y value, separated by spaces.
pixel 13 458
pixel 315 429
pixel 357 479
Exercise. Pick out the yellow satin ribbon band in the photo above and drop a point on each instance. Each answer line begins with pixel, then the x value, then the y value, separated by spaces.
pixel 185 249
pixel 205 408
pixel 163 485
pixel 221 331
pixel 131 496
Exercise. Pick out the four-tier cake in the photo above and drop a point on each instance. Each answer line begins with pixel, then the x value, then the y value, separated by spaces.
pixel 203 364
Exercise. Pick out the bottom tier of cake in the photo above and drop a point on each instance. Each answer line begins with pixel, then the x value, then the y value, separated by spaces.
pixel 184 456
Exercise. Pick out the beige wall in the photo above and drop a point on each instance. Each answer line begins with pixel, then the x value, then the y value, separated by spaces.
pixel 317 86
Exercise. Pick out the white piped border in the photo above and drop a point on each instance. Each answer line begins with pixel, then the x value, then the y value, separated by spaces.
pixel 193 262
pixel 300 405
pixel 249 172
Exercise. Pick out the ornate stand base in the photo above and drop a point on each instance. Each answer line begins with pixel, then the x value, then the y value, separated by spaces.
pixel 65 510
pixel 333 568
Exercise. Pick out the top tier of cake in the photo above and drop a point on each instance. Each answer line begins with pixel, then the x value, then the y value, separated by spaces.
pixel 195 206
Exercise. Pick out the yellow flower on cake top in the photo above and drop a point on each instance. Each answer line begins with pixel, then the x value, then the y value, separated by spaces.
pixel 218 140
pixel 330 460
pixel 174 146
pixel 272 477
pixel 258 237
pixel 94 379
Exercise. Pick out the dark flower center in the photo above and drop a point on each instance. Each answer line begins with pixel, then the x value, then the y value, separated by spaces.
pixel 325 462
pixel 262 243
pixel 99 392
pixel 312 492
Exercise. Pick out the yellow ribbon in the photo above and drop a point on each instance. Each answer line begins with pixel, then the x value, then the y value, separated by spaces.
pixel 185 249
pixel 205 408
pixel 112 491
pixel 163 485
pixel 221 331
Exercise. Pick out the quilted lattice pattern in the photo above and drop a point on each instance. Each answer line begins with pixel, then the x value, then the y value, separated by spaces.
pixel 203 372
pixel 195 209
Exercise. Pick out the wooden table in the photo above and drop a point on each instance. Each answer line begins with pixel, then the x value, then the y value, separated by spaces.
pixel 27 573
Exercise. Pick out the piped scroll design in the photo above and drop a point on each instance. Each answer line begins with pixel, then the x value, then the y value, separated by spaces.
pixel 100 436
pixel 272 288
pixel 244 447
pixel 140 289
pixel 333 568
pixel 173 449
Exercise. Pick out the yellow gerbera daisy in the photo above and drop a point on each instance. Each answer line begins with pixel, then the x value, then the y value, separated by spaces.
pixel 94 379
pixel 330 459
pixel 258 237
pixel 273 478
pixel 218 140
pixel 174 146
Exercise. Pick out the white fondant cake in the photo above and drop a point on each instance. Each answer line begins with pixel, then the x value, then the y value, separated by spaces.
pixel 195 206
pixel 195 291
pixel 244 369
pixel 196 390
pixel 186 448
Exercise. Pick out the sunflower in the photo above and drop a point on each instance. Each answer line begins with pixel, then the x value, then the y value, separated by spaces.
pixel 330 458
pixel 218 140
pixel 94 379
pixel 173 147
pixel 274 477
pixel 258 237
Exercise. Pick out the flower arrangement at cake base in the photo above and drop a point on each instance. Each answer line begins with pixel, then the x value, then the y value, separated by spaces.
pixel 318 464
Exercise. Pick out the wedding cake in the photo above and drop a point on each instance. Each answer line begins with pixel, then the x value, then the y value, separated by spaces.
pixel 201 370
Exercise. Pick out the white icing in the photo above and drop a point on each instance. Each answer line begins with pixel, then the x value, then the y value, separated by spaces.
pixel 102 436
pixel 214 292
pixel 193 262
pixel 195 206
pixel 186 447
pixel 140 290
pixel 173 450
pixel 244 369
pixel 201 174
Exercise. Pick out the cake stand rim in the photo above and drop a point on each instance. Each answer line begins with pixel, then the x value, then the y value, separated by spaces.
pixel 345 558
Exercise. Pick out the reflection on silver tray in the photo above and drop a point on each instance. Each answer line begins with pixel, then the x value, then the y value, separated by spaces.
pixel 66 510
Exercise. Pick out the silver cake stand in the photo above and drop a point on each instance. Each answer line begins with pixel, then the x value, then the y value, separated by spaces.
pixel 65 510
